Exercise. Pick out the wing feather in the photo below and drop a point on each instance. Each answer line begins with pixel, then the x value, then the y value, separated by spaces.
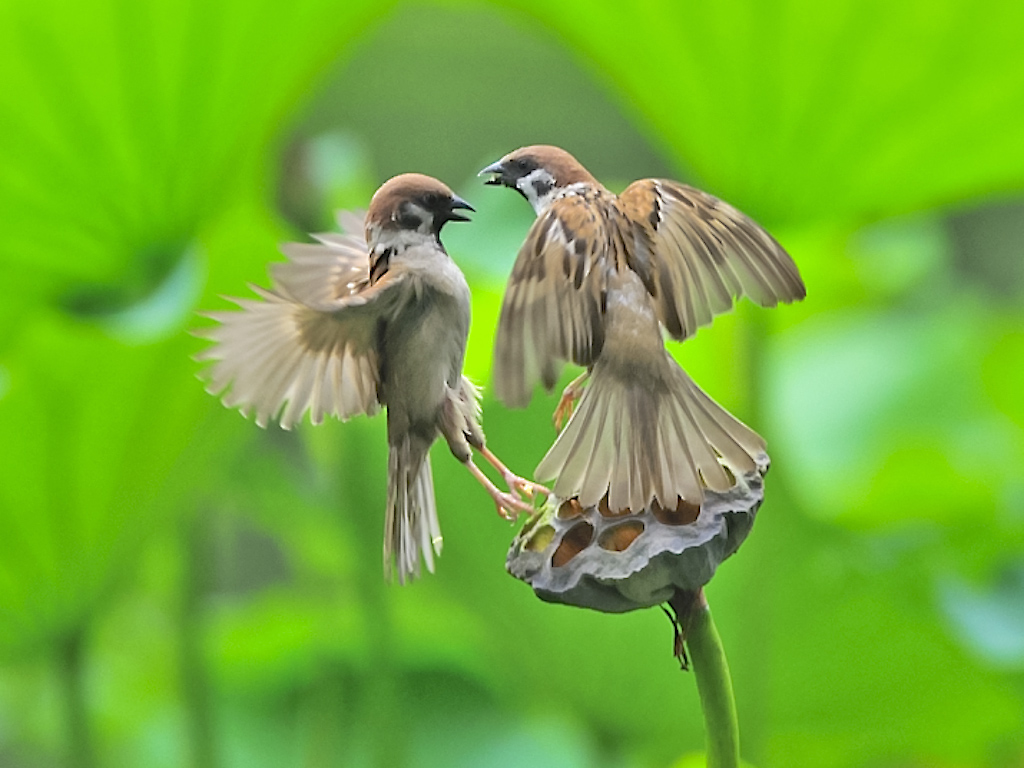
pixel 308 344
pixel 319 274
pixel 697 255
pixel 552 312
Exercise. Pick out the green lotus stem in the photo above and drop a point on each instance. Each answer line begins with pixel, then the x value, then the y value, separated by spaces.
pixel 707 657
pixel 196 689
pixel 71 671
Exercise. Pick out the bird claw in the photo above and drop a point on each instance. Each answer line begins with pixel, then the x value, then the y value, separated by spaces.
pixel 510 506
pixel 567 402
pixel 564 410
pixel 526 487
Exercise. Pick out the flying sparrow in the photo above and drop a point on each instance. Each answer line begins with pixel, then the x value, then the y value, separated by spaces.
pixel 597 278
pixel 351 324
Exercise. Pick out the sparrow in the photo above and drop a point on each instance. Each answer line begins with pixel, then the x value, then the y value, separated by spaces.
pixel 595 282
pixel 376 316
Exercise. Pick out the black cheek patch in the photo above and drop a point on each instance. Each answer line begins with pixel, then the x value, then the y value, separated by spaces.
pixel 407 218
pixel 541 187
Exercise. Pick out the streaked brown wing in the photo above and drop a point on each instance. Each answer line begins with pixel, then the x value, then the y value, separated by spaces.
pixel 553 306
pixel 697 254
pixel 309 343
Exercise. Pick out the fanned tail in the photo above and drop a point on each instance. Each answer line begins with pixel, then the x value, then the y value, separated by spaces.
pixel 642 437
pixel 411 526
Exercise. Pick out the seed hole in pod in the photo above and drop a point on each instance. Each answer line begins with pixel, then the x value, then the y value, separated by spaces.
pixel 619 538
pixel 538 540
pixel 575 540
pixel 684 513
pixel 570 508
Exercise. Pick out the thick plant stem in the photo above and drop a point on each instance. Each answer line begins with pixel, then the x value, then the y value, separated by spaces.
pixel 196 688
pixel 707 657
pixel 71 670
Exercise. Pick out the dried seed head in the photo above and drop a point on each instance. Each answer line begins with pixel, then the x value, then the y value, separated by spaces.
pixel 619 560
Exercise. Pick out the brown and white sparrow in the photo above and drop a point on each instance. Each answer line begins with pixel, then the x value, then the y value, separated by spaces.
pixel 596 280
pixel 351 324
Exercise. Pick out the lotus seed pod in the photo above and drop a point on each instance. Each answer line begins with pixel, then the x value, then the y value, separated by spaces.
pixel 619 560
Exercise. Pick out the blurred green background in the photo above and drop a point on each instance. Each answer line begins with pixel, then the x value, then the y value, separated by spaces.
pixel 181 588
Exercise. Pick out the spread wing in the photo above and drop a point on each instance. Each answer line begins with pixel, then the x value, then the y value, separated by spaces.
pixel 318 274
pixel 308 343
pixel 697 254
pixel 554 302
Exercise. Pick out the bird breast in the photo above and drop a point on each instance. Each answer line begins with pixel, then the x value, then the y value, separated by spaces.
pixel 423 347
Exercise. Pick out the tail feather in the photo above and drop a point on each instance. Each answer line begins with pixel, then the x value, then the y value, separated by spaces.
pixel 636 442
pixel 411 527
pixel 733 439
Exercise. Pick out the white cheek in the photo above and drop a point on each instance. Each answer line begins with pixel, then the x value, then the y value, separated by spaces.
pixel 426 218
pixel 529 185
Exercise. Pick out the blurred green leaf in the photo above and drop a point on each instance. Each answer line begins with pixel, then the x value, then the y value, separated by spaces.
pixel 991 620
pixel 799 112
pixel 128 126
pixel 838 656
pixel 98 425
pixel 874 409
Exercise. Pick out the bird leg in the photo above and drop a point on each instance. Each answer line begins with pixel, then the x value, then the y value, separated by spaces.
pixel 570 395
pixel 512 480
pixel 509 505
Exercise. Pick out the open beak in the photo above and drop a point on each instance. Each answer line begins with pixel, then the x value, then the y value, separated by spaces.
pixel 497 170
pixel 459 203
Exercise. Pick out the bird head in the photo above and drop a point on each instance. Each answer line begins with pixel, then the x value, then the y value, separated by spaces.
pixel 538 173
pixel 411 208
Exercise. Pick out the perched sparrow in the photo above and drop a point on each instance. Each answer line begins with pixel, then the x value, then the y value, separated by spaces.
pixel 352 324
pixel 596 279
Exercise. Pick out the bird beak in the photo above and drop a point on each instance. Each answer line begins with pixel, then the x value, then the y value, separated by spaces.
pixel 459 203
pixel 498 171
